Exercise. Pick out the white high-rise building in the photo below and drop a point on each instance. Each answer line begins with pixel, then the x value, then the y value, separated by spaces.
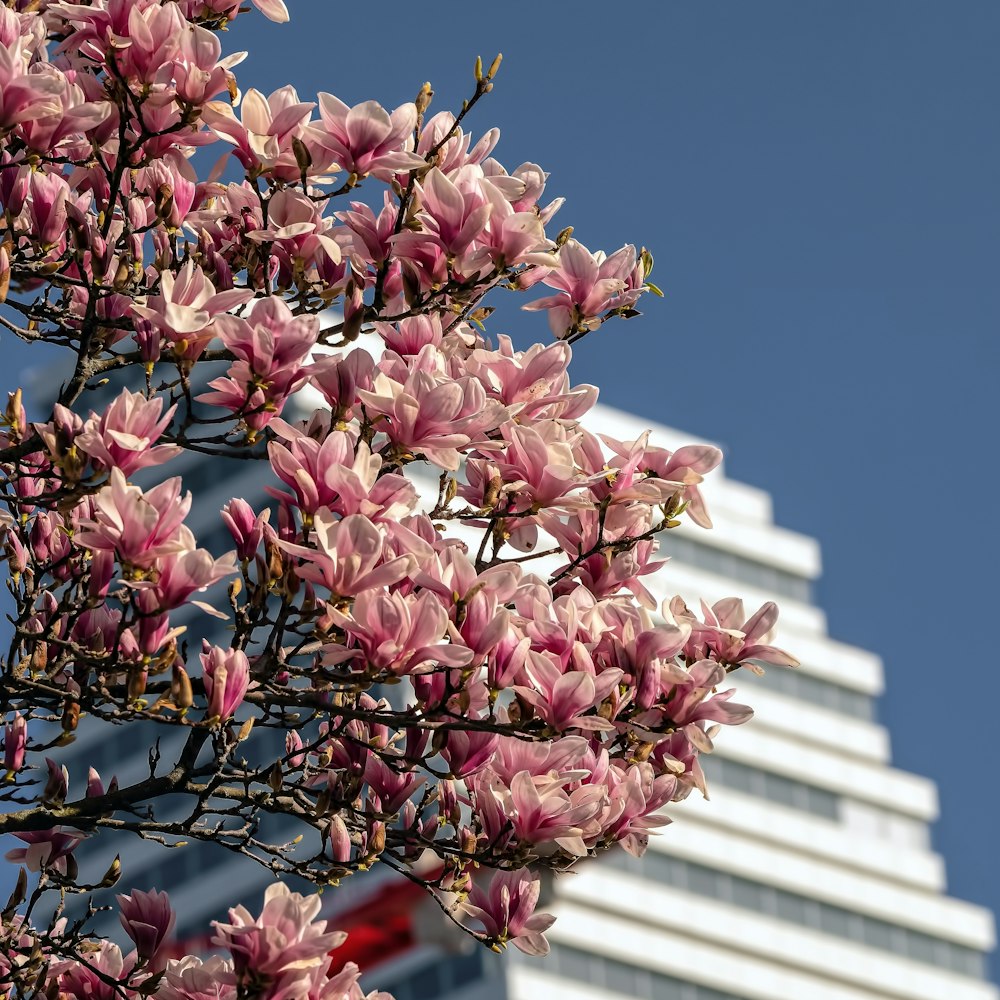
pixel 809 875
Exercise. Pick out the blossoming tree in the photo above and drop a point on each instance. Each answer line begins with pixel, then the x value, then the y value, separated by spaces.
pixel 546 710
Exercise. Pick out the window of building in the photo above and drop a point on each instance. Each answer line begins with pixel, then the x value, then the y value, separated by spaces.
pixel 815 690
pixel 802 910
pixel 619 977
pixel 771 579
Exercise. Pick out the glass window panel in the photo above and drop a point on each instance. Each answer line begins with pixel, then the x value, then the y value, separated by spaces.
pixel 401 990
pixel 723 886
pixel 619 977
pixel 790 907
pixel 768 901
pixel 702 881
pixel 835 921
pixel 785 791
pixel 748 895
pixel 972 963
pixel 708 993
pixel 578 965
pixel 878 934
pixel 667 988
pixel 822 803
pixel 663 869
pixel 924 948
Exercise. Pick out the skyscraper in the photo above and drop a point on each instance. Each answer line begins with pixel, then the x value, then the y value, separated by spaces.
pixel 808 874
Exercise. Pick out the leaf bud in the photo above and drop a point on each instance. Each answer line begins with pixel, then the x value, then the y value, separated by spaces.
pixel 563 238
pixel 70 716
pixel 163 201
pixel 303 158
pixel 136 683
pixel 113 874
pixel 180 689
pixel 18 896
pixel 423 100
pixel 276 777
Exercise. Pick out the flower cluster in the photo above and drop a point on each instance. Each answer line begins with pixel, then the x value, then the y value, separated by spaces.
pixel 283 954
pixel 442 647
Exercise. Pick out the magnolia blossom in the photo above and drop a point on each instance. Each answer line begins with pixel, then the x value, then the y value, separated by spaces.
pixel 15 738
pixel 138 527
pixel 46 849
pixel 226 673
pixel 124 436
pixel 285 944
pixel 366 139
pixel 349 559
pixel 590 285
pixel 506 909
pixel 183 311
pixel 148 920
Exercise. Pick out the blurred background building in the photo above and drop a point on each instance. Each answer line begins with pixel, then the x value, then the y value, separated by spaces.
pixel 808 874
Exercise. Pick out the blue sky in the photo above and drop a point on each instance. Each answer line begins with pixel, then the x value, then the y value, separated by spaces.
pixel 819 184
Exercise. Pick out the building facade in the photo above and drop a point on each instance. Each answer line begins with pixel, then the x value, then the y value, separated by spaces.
pixel 809 874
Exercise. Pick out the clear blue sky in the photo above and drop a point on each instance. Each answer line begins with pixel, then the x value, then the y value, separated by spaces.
pixel 819 183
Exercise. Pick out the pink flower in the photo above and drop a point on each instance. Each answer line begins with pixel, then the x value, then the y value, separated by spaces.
pixel 457 151
pixel 27 93
pixel 190 978
pixel 591 285
pixel 340 473
pixel 246 527
pixel 454 208
pixel 46 849
pixel 506 909
pixel 338 378
pixel 274 10
pixel 564 700
pixel 148 920
pixel 468 751
pixel 96 978
pixel 397 634
pixel 285 945
pixel 199 71
pixel 411 335
pixel 263 138
pixel 348 558
pixel 271 346
pixel 540 810
pixel 727 637
pixel 533 383
pixel 695 699
pixel 371 234
pixel 123 436
pixel 432 413
pixel 226 674
pixel 296 225
pixel 139 528
pixel 186 573
pixel 684 469
pixel 47 206
pixel 15 741
pixel 366 139
pixel 185 308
